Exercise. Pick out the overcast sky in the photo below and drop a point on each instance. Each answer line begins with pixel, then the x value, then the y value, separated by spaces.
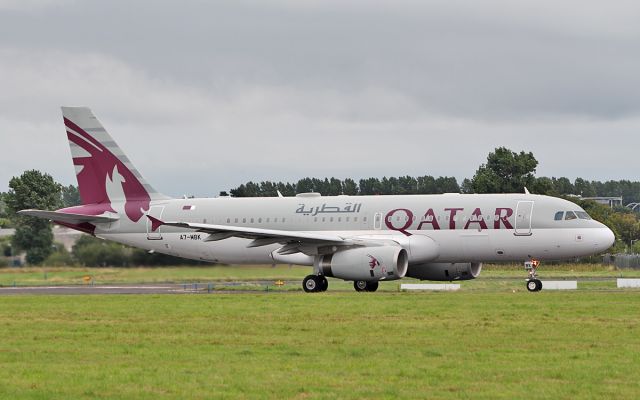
pixel 206 95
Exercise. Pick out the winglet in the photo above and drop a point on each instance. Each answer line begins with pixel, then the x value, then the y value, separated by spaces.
pixel 155 223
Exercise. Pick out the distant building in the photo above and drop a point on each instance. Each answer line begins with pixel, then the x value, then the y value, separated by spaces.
pixel 607 201
pixel 6 232
pixel 68 237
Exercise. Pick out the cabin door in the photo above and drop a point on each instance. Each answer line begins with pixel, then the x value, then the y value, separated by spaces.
pixel 155 212
pixel 524 212
pixel 377 221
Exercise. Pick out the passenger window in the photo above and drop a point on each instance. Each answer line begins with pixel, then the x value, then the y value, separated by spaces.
pixel 331 219
pixel 355 219
pixel 259 220
pixel 347 219
pixel 283 220
pixel 570 215
pixel 236 220
pixel 364 219
pixel 315 219
pixel 267 220
pixel 252 220
pixel 244 220
pixel 228 220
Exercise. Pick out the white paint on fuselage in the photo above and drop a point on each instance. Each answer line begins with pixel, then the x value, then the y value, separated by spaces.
pixel 549 239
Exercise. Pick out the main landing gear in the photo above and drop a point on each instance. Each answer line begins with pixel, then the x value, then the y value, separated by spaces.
pixel 533 283
pixel 315 283
pixel 365 286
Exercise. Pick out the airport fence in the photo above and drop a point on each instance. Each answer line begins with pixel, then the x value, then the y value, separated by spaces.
pixel 627 261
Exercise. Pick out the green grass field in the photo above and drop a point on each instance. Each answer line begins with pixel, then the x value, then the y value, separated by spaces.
pixel 490 340
pixel 331 345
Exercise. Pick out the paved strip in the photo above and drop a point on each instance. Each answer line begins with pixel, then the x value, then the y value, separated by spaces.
pixel 100 289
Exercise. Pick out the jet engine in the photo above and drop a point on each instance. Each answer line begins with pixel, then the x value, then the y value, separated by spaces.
pixel 373 263
pixel 445 271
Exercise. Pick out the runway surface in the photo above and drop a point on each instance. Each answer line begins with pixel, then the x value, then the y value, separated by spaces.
pixel 116 289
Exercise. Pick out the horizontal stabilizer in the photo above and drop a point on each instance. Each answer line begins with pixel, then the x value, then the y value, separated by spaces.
pixel 68 218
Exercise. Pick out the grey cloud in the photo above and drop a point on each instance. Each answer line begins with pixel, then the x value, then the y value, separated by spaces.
pixel 204 96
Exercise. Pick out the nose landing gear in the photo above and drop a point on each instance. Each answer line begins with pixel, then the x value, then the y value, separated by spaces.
pixel 533 283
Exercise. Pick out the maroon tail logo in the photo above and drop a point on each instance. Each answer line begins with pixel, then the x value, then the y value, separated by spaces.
pixel 373 262
pixel 103 178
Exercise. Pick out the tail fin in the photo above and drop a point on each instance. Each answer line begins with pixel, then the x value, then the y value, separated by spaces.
pixel 105 174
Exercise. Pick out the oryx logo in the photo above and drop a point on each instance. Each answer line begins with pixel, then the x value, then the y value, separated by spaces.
pixel 103 178
pixel 373 262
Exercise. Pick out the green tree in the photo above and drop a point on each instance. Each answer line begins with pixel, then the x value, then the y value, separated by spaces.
pixel 33 189
pixel 447 184
pixel 543 185
pixel 287 189
pixel 350 187
pixel 70 196
pixel 563 186
pixel 304 185
pixel 505 172
pixel 370 186
pixel 583 188
pixel 93 252
pixel 625 226
pixel 4 214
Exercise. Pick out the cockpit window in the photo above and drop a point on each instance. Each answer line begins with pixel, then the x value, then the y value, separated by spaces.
pixel 570 215
pixel 582 215
pixel 559 216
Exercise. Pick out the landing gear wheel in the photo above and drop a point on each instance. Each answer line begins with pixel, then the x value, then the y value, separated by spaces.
pixel 360 286
pixel 534 285
pixel 365 286
pixel 311 283
pixel 372 286
pixel 324 283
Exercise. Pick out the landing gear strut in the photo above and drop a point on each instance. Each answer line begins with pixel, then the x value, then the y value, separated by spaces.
pixel 533 283
pixel 365 286
pixel 315 283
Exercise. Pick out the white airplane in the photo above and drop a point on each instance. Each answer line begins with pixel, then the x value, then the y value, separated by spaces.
pixel 364 239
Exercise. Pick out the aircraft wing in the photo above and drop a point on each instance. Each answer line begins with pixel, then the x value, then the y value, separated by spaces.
pixel 261 236
pixel 69 218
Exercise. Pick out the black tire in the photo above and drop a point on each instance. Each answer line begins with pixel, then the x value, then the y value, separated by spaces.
pixel 372 286
pixel 532 285
pixel 360 286
pixel 324 284
pixel 538 285
pixel 311 284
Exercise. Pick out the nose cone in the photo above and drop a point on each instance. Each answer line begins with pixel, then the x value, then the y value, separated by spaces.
pixel 605 238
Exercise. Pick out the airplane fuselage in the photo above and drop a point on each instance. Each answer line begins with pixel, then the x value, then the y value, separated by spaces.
pixel 479 228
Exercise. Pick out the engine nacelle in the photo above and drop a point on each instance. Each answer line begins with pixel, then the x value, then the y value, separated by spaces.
pixel 445 271
pixel 365 263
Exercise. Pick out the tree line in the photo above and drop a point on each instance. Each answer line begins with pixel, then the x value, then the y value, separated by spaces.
pixel 628 190
pixel 504 172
